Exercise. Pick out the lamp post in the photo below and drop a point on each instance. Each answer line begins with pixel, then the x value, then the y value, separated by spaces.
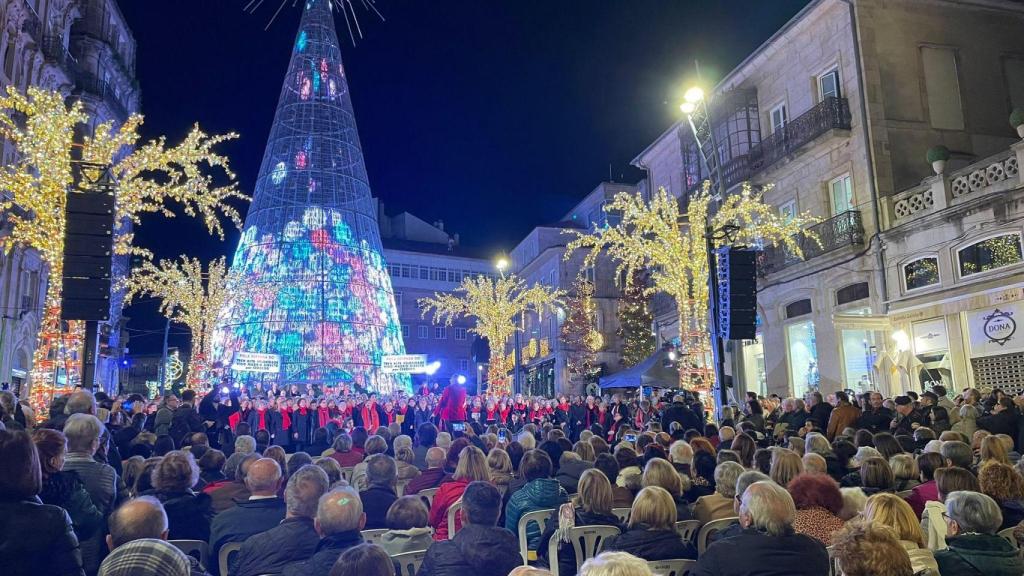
pixel 695 104
pixel 502 264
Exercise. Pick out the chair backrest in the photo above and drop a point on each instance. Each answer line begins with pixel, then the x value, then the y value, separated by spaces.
pixel 196 548
pixel 227 552
pixel 688 529
pixel 408 564
pixel 346 473
pixel 672 567
pixel 833 562
pixel 710 528
pixel 453 515
pixel 1008 536
pixel 586 541
pixel 400 487
pixel 904 494
pixel 429 495
pixel 621 513
pixel 373 536
pixel 541 517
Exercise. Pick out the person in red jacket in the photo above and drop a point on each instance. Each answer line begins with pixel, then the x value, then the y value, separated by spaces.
pixel 452 406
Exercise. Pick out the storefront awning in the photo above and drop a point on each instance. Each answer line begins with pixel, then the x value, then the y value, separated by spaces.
pixel 650 372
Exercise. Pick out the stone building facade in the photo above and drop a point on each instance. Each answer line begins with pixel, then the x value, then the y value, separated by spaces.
pixel 837 111
pixel 83 49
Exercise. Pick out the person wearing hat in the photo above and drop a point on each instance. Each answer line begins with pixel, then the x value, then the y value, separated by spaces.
pixel 936 417
pixel 145 557
pixel 907 417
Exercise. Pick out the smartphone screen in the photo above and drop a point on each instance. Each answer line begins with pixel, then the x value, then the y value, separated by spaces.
pixel 458 426
pixel 502 436
pixel 629 437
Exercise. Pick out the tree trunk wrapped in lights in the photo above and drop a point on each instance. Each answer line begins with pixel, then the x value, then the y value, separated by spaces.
pixel 188 296
pixel 151 178
pixel 499 308
pixel 579 334
pixel 635 321
pixel 654 237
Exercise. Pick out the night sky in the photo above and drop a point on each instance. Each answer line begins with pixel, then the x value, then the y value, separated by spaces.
pixel 492 115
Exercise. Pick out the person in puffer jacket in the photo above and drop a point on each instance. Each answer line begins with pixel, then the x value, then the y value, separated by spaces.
pixel 541 492
pixel 480 547
pixel 651 533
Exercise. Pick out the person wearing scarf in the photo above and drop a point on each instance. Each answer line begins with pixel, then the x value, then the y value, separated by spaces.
pixel 323 414
pixel 503 412
pixel 302 418
pixel 562 411
pixel 370 417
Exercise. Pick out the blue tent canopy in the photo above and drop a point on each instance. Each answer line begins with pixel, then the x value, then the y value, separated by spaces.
pixel 651 372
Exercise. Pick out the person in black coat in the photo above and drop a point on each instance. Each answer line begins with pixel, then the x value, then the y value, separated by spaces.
pixel 188 514
pixel 35 538
pixel 479 547
pixel 875 417
pixel 767 544
pixel 593 507
pixel 303 424
pixel 680 412
pixel 381 475
pixel 650 533
pixel 339 520
pixel 907 417
pixel 185 420
pixel 819 411
pixel 1002 420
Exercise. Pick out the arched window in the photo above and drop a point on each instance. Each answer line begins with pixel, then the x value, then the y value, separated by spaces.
pixel 921 272
pixel 798 308
pixel 852 293
pixel 990 254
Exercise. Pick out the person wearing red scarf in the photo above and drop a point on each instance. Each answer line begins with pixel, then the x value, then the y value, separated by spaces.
pixel 369 415
pixel 323 414
pixel 504 411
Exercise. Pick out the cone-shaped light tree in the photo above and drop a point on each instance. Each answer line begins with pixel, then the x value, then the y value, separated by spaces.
pixel 579 333
pixel 151 178
pixel 656 238
pixel 635 321
pixel 498 307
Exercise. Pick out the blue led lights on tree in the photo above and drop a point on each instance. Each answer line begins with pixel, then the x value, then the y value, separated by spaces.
pixel 313 286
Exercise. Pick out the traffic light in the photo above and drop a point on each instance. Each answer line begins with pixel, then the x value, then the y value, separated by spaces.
pixel 737 293
pixel 88 245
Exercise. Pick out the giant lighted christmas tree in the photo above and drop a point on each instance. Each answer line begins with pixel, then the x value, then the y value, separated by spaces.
pixel 313 287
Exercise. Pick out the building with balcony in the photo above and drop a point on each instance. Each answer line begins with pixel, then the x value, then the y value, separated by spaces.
pixel 954 265
pixel 837 110
pixel 424 259
pixel 540 258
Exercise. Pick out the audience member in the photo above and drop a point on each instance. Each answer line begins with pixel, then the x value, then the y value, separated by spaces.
pixel 65 489
pixel 650 533
pixel 615 564
pixel 146 557
pixel 374 445
pixel 658 472
pixel 408 526
pixel 380 479
pixel 344 454
pixel 947 480
pixel 892 511
pixel 592 507
pixel 926 491
pixel 974 549
pixel 818 504
pixel 540 492
pixel 719 505
pixel 339 520
pixel 432 475
pixel 188 513
pixel 35 538
pixel 785 466
pixel 140 519
pixel 262 511
pixel 479 547
pixel 295 539
pixel 225 495
pixel 1006 486
pixel 621 496
pixel 870 549
pixel 363 560
pixel 768 544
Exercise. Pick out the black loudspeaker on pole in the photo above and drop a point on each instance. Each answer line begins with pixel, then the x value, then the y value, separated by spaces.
pixel 737 293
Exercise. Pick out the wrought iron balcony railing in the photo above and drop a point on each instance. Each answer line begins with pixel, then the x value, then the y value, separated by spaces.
pixel 54 49
pixel 832 113
pixel 837 232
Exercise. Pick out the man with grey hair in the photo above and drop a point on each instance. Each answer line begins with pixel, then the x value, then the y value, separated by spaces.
pixel 245 444
pixel 719 505
pixel 227 495
pixel 742 483
pixel 105 487
pixel 262 511
pixel 432 476
pixel 339 520
pixel 680 454
pixel 767 544
pixel 293 540
pixel 972 521
pixel 379 495
pixel 83 402
pixel 957 454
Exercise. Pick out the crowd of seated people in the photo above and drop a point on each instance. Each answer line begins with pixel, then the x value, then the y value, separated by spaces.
pixel 781 486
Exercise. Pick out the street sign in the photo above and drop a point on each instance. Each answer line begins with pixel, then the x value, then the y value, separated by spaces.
pixel 403 363
pixel 256 362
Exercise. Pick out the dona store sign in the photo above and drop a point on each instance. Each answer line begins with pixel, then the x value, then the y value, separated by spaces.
pixel 996 330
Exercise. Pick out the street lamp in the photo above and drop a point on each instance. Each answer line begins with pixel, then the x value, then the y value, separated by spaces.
pixel 695 104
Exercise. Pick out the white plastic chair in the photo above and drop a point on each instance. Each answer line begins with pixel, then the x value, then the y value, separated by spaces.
pixel 409 563
pixel 688 529
pixel 373 536
pixel 196 548
pixel 227 551
pixel 346 473
pixel 586 541
pixel 541 517
pixel 429 494
pixel 453 514
pixel 672 567
pixel 710 528
pixel 621 513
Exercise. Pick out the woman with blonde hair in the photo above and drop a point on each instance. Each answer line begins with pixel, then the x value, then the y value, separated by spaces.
pixel 993 449
pixel 499 466
pixel 890 510
pixel 614 564
pixel 592 506
pixel 405 463
pixel 650 533
pixel 659 472
pixel 472 466
pixel 786 465
pixel 905 472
